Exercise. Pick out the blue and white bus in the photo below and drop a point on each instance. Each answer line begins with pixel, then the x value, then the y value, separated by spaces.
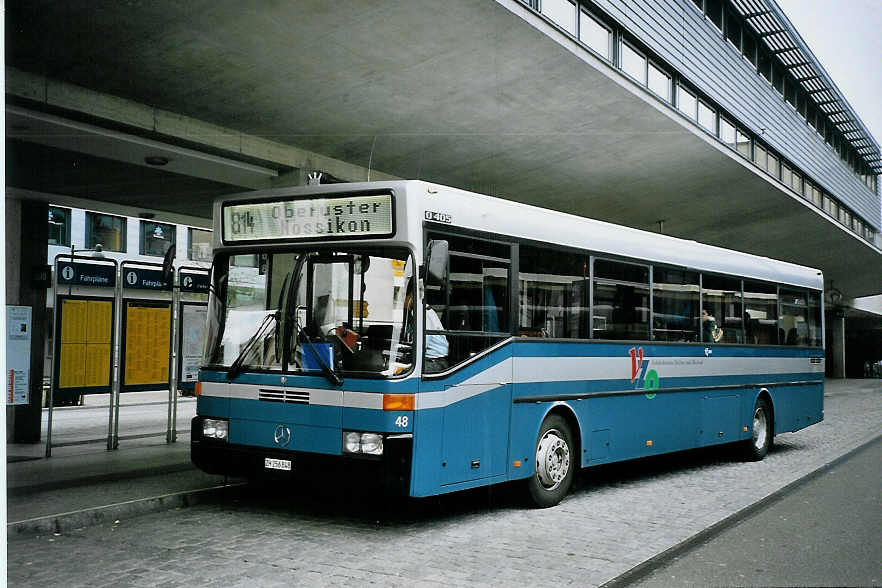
pixel 440 340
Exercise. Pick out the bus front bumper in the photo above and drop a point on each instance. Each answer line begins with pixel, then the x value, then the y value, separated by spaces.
pixel 391 470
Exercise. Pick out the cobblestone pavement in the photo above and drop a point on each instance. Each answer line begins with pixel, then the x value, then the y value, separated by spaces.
pixel 616 518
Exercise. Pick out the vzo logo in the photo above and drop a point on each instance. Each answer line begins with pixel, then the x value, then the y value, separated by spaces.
pixel 708 351
pixel 641 375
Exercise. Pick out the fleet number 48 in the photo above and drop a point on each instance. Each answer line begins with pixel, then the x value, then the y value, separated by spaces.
pixel 401 422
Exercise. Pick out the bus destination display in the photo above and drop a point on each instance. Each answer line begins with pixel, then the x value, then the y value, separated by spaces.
pixel 351 216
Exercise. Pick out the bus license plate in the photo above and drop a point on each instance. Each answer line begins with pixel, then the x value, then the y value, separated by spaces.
pixel 277 464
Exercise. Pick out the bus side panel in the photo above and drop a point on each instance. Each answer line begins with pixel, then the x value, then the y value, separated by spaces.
pixel 212 406
pixel 461 427
pixel 797 407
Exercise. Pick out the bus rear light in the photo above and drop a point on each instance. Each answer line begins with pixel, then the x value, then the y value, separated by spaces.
pixel 398 401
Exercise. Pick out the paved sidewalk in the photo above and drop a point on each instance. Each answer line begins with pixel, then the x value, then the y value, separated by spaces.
pixel 618 517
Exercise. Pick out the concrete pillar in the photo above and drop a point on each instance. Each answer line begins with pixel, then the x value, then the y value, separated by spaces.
pixel 26 243
pixel 836 346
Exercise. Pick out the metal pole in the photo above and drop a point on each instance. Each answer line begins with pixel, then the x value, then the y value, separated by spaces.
pixel 113 425
pixel 56 349
pixel 171 433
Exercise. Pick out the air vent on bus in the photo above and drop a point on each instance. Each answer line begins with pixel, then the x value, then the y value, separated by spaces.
pixel 276 395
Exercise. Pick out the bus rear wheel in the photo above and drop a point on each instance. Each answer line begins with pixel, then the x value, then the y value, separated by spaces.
pixel 760 442
pixel 554 468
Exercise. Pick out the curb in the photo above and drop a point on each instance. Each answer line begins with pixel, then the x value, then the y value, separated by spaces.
pixel 113 513
pixel 97 478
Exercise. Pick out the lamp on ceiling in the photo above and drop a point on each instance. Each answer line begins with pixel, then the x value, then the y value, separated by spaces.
pixel 156 160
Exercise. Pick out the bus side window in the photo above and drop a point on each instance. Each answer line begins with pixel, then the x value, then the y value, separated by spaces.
pixel 553 289
pixel 621 300
pixel 761 313
pixel 675 295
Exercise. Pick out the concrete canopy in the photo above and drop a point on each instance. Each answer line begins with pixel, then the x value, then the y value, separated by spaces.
pixel 479 95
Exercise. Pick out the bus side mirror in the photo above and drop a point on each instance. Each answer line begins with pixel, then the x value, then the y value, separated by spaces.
pixel 437 264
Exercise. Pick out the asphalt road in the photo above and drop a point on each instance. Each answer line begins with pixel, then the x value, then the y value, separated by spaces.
pixel 827 531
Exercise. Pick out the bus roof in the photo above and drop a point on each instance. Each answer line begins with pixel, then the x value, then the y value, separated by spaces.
pixel 493 215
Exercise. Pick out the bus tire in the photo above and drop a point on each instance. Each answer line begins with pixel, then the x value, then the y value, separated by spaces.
pixel 554 466
pixel 760 441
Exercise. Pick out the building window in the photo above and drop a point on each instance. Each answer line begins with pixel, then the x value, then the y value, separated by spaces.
pixel 759 156
pixel 817 198
pixel 59 226
pixel 107 231
pixel 727 133
pixel 778 82
pixel 198 245
pixel 790 92
pixel 659 82
pixel 749 48
pixel 633 63
pixel 156 238
pixel 764 65
pixel 714 11
pixel 595 35
pixel 562 12
pixel 742 141
pixel 786 174
pixel 772 164
pixel 707 118
pixel 687 103
pixel 733 31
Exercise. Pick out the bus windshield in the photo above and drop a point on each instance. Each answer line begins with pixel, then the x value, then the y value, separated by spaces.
pixel 332 312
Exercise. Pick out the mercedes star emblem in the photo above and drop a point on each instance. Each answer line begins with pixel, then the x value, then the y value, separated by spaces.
pixel 282 435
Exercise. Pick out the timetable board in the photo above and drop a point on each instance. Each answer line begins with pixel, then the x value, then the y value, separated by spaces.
pixel 86 334
pixel 147 343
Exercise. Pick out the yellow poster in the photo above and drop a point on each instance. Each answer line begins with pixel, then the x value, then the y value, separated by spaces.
pixel 73 323
pixel 86 331
pixel 148 334
pixel 72 365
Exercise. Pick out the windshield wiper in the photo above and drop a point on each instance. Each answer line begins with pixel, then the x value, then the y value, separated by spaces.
pixel 239 363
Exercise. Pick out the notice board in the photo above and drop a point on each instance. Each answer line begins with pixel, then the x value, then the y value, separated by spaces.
pixel 18 354
pixel 191 341
pixel 86 335
pixel 147 340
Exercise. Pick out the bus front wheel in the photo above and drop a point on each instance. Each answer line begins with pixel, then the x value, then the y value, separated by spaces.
pixel 760 442
pixel 554 468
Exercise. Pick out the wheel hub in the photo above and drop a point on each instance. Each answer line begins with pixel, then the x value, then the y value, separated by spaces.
pixel 552 459
pixel 760 426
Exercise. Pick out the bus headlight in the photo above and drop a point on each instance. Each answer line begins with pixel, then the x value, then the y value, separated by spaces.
pixel 352 442
pixel 364 443
pixel 216 429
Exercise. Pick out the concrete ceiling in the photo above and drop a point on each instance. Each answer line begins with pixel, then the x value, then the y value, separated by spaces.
pixel 479 95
